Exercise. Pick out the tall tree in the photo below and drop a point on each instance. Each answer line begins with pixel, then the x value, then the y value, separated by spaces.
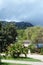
pixel 34 33
pixel 7 36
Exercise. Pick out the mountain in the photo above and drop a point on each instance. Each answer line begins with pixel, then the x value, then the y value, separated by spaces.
pixel 23 25
pixel 19 25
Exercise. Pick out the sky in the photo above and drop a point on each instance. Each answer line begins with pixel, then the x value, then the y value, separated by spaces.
pixel 22 10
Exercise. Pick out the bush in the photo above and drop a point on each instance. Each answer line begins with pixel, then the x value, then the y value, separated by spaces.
pixel 16 49
pixel 32 48
pixel 25 51
pixel 41 51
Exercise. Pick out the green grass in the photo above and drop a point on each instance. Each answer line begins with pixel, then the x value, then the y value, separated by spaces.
pixel 13 64
pixel 27 59
pixel 23 59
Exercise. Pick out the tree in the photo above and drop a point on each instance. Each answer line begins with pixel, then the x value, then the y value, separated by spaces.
pixel 0 25
pixel 8 35
pixel 25 51
pixel 21 34
pixel 34 33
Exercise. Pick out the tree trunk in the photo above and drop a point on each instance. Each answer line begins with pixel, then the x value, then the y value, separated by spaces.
pixel 25 55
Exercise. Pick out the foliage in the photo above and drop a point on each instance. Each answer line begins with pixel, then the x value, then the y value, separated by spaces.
pixel 21 35
pixel 7 36
pixel 41 51
pixel 16 49
pixel 32 48
pixel 25 51
pixel 34 33
pixel 0 25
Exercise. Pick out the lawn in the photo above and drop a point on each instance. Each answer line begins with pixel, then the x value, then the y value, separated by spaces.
pixel 23 59
pixel 13 64
pixel 27 59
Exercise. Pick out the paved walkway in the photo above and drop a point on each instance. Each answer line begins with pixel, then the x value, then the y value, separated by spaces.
pixel 22 62
pixel 35 56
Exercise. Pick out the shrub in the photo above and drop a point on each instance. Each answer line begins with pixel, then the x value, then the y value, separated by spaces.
pixel 41 51
pixel 16 49
pixel 32 48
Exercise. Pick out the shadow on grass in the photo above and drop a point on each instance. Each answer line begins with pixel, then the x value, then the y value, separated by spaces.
pixel 12 64
pixel 24 59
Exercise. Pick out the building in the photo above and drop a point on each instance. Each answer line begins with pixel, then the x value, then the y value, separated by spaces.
pixel 26 43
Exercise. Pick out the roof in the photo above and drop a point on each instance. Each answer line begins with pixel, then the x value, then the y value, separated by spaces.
pixel 26 41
